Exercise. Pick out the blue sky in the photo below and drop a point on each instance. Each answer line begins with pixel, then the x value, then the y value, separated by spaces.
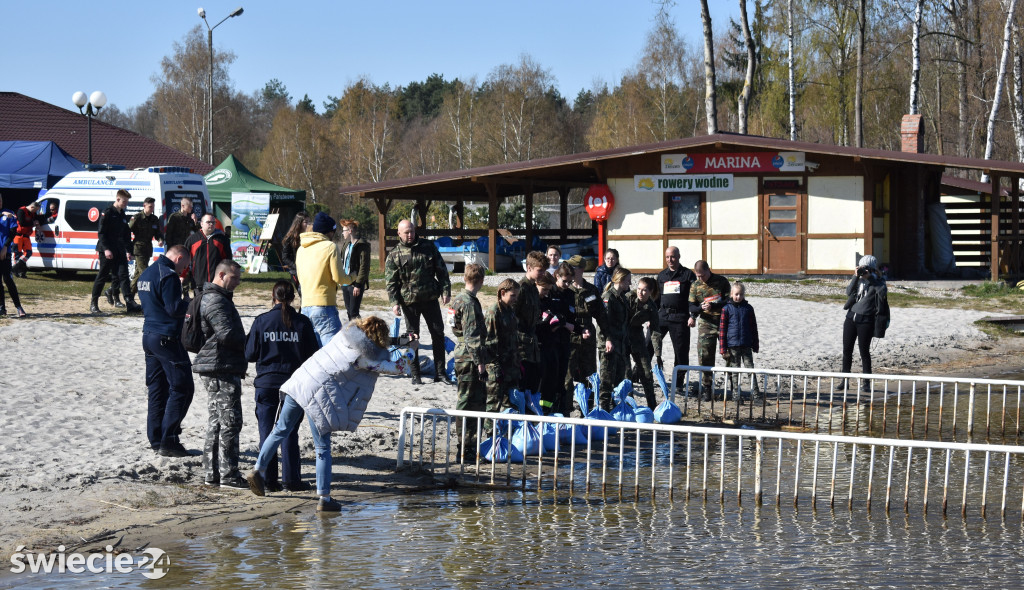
pixel 54 48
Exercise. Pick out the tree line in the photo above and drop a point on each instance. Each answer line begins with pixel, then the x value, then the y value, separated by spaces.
pixel 838 72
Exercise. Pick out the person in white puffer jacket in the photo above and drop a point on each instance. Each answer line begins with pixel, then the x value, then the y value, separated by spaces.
pixel 333 387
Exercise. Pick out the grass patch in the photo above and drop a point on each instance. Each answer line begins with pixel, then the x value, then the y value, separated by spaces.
pixel 992 289
pixel 997 330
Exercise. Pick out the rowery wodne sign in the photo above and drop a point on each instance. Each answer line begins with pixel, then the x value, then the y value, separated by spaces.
pixel 735 162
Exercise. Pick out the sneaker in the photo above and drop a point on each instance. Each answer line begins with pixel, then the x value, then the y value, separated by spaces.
pixel 21 312
pixel 256 483
pixel 212 481
pixel 328 505
pixel 235 483
pixel 174 450
pixel 273 486
pixel 297 486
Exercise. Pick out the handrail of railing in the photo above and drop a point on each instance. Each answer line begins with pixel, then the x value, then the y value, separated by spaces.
pixel 851 376
pixel 602 455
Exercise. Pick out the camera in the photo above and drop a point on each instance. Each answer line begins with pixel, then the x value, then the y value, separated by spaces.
pixel 862 271
pixel 401 341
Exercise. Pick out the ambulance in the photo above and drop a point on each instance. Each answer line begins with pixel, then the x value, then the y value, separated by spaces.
pixel 68 244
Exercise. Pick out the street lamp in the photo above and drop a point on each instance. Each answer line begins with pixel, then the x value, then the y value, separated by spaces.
pixel 96 102
pixel 209 40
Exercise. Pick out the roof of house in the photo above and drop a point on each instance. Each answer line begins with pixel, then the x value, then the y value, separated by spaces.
pixel 583 168
pixel 28 119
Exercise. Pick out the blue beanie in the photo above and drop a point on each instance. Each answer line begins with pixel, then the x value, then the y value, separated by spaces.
pixel 323 223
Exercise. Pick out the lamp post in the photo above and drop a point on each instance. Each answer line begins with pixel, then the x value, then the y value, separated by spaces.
pixel 209 40
pixel 89 108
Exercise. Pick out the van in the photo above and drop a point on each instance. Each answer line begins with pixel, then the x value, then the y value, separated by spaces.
pixel 69 243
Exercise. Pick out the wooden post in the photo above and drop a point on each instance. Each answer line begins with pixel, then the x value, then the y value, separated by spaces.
pixel 492 224
pixel 1015 241
pixel 563 217
pixel 995 227
pixel 383 206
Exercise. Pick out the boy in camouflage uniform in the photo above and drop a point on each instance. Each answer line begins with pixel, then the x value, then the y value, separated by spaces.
pixel 583 344
pixel 501 347
pixel 527 310
pixel 643 311
pixel 145 226
pixel 708 295
pixel 467 319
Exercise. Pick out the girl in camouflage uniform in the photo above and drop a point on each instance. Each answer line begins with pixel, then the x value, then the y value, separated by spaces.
pixel 642 311
pixel 612 341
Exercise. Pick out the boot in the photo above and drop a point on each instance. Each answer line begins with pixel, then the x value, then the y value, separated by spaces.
pixel 416 371
pixel 133 307
pixel 94 307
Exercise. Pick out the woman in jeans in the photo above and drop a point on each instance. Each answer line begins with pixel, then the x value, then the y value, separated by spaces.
pixel 867 314
pixel 333 387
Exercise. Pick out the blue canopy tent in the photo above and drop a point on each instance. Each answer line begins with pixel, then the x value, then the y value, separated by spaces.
pixel 34 164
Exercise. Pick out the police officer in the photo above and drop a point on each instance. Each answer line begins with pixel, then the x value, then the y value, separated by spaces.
pixel 708 295
pixel 643 311
pixel 145 226
pixel 467 319
pixel 673 310
pixel 114 246
pixel 415 276
pixel 168 368
pixel 583 343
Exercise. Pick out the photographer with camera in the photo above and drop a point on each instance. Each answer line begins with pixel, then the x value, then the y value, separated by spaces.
pixel 867 313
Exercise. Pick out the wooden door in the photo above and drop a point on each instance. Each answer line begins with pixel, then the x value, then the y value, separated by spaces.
pixel 781 232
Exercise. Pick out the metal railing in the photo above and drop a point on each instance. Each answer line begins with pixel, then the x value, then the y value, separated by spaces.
pixel 916 407
pixel 655 459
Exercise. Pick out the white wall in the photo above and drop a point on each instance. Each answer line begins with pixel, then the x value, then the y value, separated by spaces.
pixel 634 213
pixel 635 254
pixel 735 211
pixel 835 205
pixel 733 254
pixel 690 251
pixel 833 254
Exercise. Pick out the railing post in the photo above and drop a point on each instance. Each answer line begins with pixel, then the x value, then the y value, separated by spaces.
pixel 758 458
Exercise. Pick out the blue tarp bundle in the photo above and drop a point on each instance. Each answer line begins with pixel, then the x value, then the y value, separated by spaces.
pixel 34 164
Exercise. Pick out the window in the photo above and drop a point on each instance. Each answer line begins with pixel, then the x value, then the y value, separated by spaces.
pixel 684 211
pixel 84 215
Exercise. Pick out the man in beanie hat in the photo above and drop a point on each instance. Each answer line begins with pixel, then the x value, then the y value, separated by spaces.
pixel 319 269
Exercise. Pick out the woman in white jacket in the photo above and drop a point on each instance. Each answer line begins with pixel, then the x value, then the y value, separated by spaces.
pixel 333 387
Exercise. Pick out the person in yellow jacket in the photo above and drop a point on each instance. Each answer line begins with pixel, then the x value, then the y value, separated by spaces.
pixel 318 264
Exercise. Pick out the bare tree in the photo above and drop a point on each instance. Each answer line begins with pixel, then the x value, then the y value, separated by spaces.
pixel 858 94
pixel 915 70
pixel 748 80
pixel 1011 8
pixel 791 67
pixel 710 98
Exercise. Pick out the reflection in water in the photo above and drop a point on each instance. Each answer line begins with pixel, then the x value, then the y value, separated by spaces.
pixel 467 540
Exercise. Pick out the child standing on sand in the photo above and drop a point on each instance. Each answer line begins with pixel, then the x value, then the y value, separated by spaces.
pixel 738 338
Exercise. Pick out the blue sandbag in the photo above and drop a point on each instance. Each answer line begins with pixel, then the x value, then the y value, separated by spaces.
pixel 497 449
pixel 526 440
pixel 549 438
pixel 641 414
pixel 623 411
pixel 518 400
pixel 582 396
pixel 667 412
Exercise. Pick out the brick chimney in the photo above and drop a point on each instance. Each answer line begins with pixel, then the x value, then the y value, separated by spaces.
pixel 912 134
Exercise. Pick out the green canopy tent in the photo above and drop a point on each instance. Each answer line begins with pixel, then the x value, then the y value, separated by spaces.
pixel 231 176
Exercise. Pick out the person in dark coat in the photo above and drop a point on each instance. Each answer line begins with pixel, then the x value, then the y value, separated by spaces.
pixel 221 364
pixel 290 245
pixel 279 341
pixel 356 264
pixel 114 244
pixel 867 316
pixel 208 247
pixel 738 339
pixel 8 225
pixel 603 274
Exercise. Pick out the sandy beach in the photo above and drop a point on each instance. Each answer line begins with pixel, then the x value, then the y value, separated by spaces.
pixel 77 468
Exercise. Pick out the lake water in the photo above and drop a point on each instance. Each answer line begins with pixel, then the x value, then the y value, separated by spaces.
pixel 507 539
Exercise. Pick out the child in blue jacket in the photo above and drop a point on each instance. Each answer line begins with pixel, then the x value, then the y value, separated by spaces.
pixel 738 338
pixel 279 341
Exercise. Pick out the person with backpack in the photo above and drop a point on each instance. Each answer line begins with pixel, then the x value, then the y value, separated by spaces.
pixel 168 368
pixel 221 364
pixel 8 226
pixel 279 341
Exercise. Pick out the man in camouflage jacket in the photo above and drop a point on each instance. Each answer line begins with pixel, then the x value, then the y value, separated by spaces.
pixel 708 295
pixel 467 320
pixel 145 226
pixel 415 276
pixel 583 343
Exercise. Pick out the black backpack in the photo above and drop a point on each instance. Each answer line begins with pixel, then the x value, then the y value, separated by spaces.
pixel 192 337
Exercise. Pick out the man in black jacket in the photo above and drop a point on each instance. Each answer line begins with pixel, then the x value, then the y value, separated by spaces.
pixel 356 265
pixel 113 243
pixel 221 364
pixel 208 247
pixel 673 310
